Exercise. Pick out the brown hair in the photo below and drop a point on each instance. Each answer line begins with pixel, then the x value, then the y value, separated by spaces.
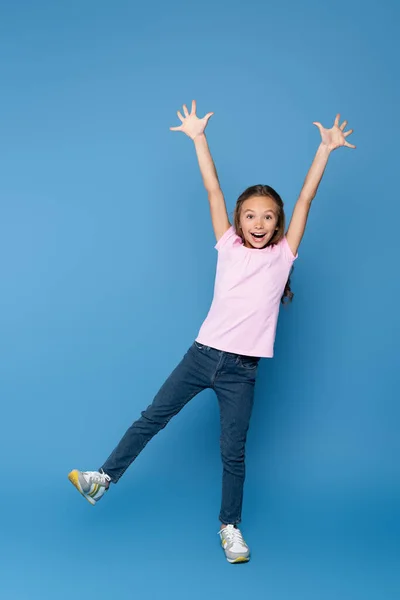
pixel 265 190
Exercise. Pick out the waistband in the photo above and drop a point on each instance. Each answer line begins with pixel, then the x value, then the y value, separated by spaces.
pixel 232 354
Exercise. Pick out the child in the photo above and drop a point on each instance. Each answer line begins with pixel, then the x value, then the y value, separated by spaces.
pixel 255 258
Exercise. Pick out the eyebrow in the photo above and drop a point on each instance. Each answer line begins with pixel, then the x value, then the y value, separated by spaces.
pixel 267 211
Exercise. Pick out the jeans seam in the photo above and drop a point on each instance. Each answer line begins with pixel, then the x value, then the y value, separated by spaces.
pixel 214 377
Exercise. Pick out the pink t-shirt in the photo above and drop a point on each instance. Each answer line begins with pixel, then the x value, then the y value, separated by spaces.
pixel 248 288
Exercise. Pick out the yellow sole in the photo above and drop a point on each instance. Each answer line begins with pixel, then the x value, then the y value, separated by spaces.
pixel 240 559
pixel 74 479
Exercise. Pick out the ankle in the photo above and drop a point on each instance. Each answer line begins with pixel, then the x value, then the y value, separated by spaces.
pixel 107 477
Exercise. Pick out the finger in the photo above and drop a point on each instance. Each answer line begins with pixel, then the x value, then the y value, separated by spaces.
pixel 343 125
pixel 185 110
pixel 318 125
pixel 176 128
pixel 180 116
pixel 349 145
pixel 349 132
pixel 337 120
pixel 208 116
pixel 194 107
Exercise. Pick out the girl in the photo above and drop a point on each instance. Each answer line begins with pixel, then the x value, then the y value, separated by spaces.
pixel 255 258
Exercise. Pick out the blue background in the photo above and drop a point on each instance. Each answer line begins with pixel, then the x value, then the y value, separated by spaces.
pixel 107 267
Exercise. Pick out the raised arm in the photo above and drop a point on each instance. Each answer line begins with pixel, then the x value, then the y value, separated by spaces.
pixel 330 140
pixel 194 128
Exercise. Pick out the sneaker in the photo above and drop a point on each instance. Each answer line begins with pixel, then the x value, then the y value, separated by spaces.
pixel 91 484
pixel 235 548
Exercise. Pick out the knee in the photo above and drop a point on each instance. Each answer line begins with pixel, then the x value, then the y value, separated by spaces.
pixel 233 452
pixel 149 418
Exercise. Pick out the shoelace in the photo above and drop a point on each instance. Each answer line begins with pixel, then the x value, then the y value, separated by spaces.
pixel 97 477
pixel 231 534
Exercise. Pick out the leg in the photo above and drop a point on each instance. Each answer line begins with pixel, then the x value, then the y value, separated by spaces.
pixel 235 391
pixel 189 378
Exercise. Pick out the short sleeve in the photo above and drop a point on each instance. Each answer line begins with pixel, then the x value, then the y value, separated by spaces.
pixel 287 251
pixel 227 240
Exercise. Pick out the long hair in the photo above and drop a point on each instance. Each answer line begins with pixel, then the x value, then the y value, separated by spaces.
pixel 265 190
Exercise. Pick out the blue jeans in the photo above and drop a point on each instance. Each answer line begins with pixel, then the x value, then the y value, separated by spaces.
pixel 232 377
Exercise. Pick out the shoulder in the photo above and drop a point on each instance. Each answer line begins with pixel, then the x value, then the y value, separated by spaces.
pixel 228 240
pixel 285 251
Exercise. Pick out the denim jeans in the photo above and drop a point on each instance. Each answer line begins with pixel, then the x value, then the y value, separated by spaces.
pixel 232 377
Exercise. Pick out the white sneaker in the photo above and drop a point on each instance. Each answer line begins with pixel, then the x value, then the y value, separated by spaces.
pixel 235 548
pixel 91 484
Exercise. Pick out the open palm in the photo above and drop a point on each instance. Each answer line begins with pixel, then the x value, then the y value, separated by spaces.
pixel 191 124
pixel 336 136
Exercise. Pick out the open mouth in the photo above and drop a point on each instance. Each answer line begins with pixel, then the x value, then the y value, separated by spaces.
pixel 258 236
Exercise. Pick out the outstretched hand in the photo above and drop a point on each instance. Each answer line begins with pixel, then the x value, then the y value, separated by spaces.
pixel 336 136
pixel 191 124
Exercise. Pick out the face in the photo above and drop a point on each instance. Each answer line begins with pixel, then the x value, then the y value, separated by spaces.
pixel 258 221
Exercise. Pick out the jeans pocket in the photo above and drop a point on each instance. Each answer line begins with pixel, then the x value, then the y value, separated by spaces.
pixel 249 363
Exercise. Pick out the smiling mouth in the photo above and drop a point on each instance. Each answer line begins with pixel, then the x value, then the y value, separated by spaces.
pixel 258 236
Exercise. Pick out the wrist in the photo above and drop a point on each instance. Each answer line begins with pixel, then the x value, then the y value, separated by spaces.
pixel 323 148
pixel 199 138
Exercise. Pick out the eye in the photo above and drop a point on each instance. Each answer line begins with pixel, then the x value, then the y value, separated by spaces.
pixel 268 217
pixel 249 216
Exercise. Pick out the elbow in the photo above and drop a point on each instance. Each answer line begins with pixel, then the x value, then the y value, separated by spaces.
pixel 213 191
pixel 306 199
